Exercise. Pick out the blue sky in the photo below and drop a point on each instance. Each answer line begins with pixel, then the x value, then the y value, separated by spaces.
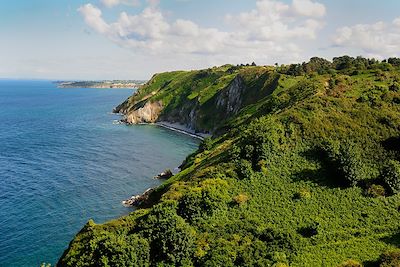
pixel 129 39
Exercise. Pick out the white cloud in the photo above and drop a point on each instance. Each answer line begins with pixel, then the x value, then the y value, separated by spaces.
pixel 272 30
pixel 379 39
pixel 93 18
pixel 112 3
pixel 308 8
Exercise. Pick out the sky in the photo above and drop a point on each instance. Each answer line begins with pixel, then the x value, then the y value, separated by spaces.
pixel 133 39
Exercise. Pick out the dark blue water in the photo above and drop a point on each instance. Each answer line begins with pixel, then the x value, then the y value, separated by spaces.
pixel 63 161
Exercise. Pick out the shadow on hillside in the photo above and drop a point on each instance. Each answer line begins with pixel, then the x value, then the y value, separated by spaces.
pixel 393 239
pixel 326 175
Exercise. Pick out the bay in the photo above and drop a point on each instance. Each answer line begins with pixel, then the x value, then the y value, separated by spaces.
pixel 63 161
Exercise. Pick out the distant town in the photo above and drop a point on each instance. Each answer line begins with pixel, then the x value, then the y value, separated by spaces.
pixel 118 84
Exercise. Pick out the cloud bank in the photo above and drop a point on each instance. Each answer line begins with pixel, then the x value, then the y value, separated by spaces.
pixel 271 30
pixel 378 40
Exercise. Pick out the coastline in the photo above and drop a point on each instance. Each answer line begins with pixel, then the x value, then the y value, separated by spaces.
pixel 182 129
pixel 177 127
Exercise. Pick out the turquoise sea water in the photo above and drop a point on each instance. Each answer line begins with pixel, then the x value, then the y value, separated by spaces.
pixel 63 161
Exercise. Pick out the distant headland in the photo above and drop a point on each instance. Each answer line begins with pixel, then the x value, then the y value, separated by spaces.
pixel 118 84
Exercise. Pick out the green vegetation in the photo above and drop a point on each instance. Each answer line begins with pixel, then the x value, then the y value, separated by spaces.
pixel 305 172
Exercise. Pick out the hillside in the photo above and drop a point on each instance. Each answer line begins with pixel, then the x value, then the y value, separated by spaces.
pixel 303 170
pixel 100 84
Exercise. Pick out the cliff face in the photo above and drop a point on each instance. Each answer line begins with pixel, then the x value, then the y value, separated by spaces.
pixel 230 100
pixel 200 100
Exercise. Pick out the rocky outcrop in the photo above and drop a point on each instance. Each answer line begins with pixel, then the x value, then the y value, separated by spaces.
pixel 230 99
pixel 149 113
pixel 164 175
pixel 138 199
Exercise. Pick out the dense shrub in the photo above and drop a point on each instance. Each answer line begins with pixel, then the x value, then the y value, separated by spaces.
pixel 346 159
pixel 262 140
pixel 240 199
pixel 390 258
pixel 303 193
pixel 280 129
pixel 201 202
pixel 206 144
pixel 244 169
pixel 350 263
pixel 171 238
pixel 391 176
pixel 120 250
pixel 376 190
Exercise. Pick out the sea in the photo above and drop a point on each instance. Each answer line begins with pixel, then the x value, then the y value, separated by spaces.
pixel 65 160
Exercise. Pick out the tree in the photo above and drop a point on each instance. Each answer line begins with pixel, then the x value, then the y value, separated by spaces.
pixel 346 158
pixel 344 62
pixel 120 250
pixel 317 64
pixel 394 61
pixel 171 238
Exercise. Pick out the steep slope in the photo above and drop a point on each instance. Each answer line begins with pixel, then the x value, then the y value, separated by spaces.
pixel 303 170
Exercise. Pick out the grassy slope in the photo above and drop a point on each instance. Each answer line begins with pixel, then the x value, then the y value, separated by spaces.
pixel 269 190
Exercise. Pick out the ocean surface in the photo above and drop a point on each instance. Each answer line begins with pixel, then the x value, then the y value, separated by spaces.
pixel 63 162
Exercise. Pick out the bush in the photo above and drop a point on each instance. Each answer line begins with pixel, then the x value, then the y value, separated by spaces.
pixel 350 263
pixel 206 144
pixel 391 176
pixel 240 199
pixel 347 159
pixel 244 169
pixel 303 194
pixel 195 205
pixel 376 191
pixel 202 201
pixel 262 140
pixel 390 258
pixel 118 250
pixel 171 238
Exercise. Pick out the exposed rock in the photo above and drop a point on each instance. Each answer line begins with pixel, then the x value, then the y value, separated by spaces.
pixel 138 199
pixel 164 175
pixel 231 98
pixel 149 113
